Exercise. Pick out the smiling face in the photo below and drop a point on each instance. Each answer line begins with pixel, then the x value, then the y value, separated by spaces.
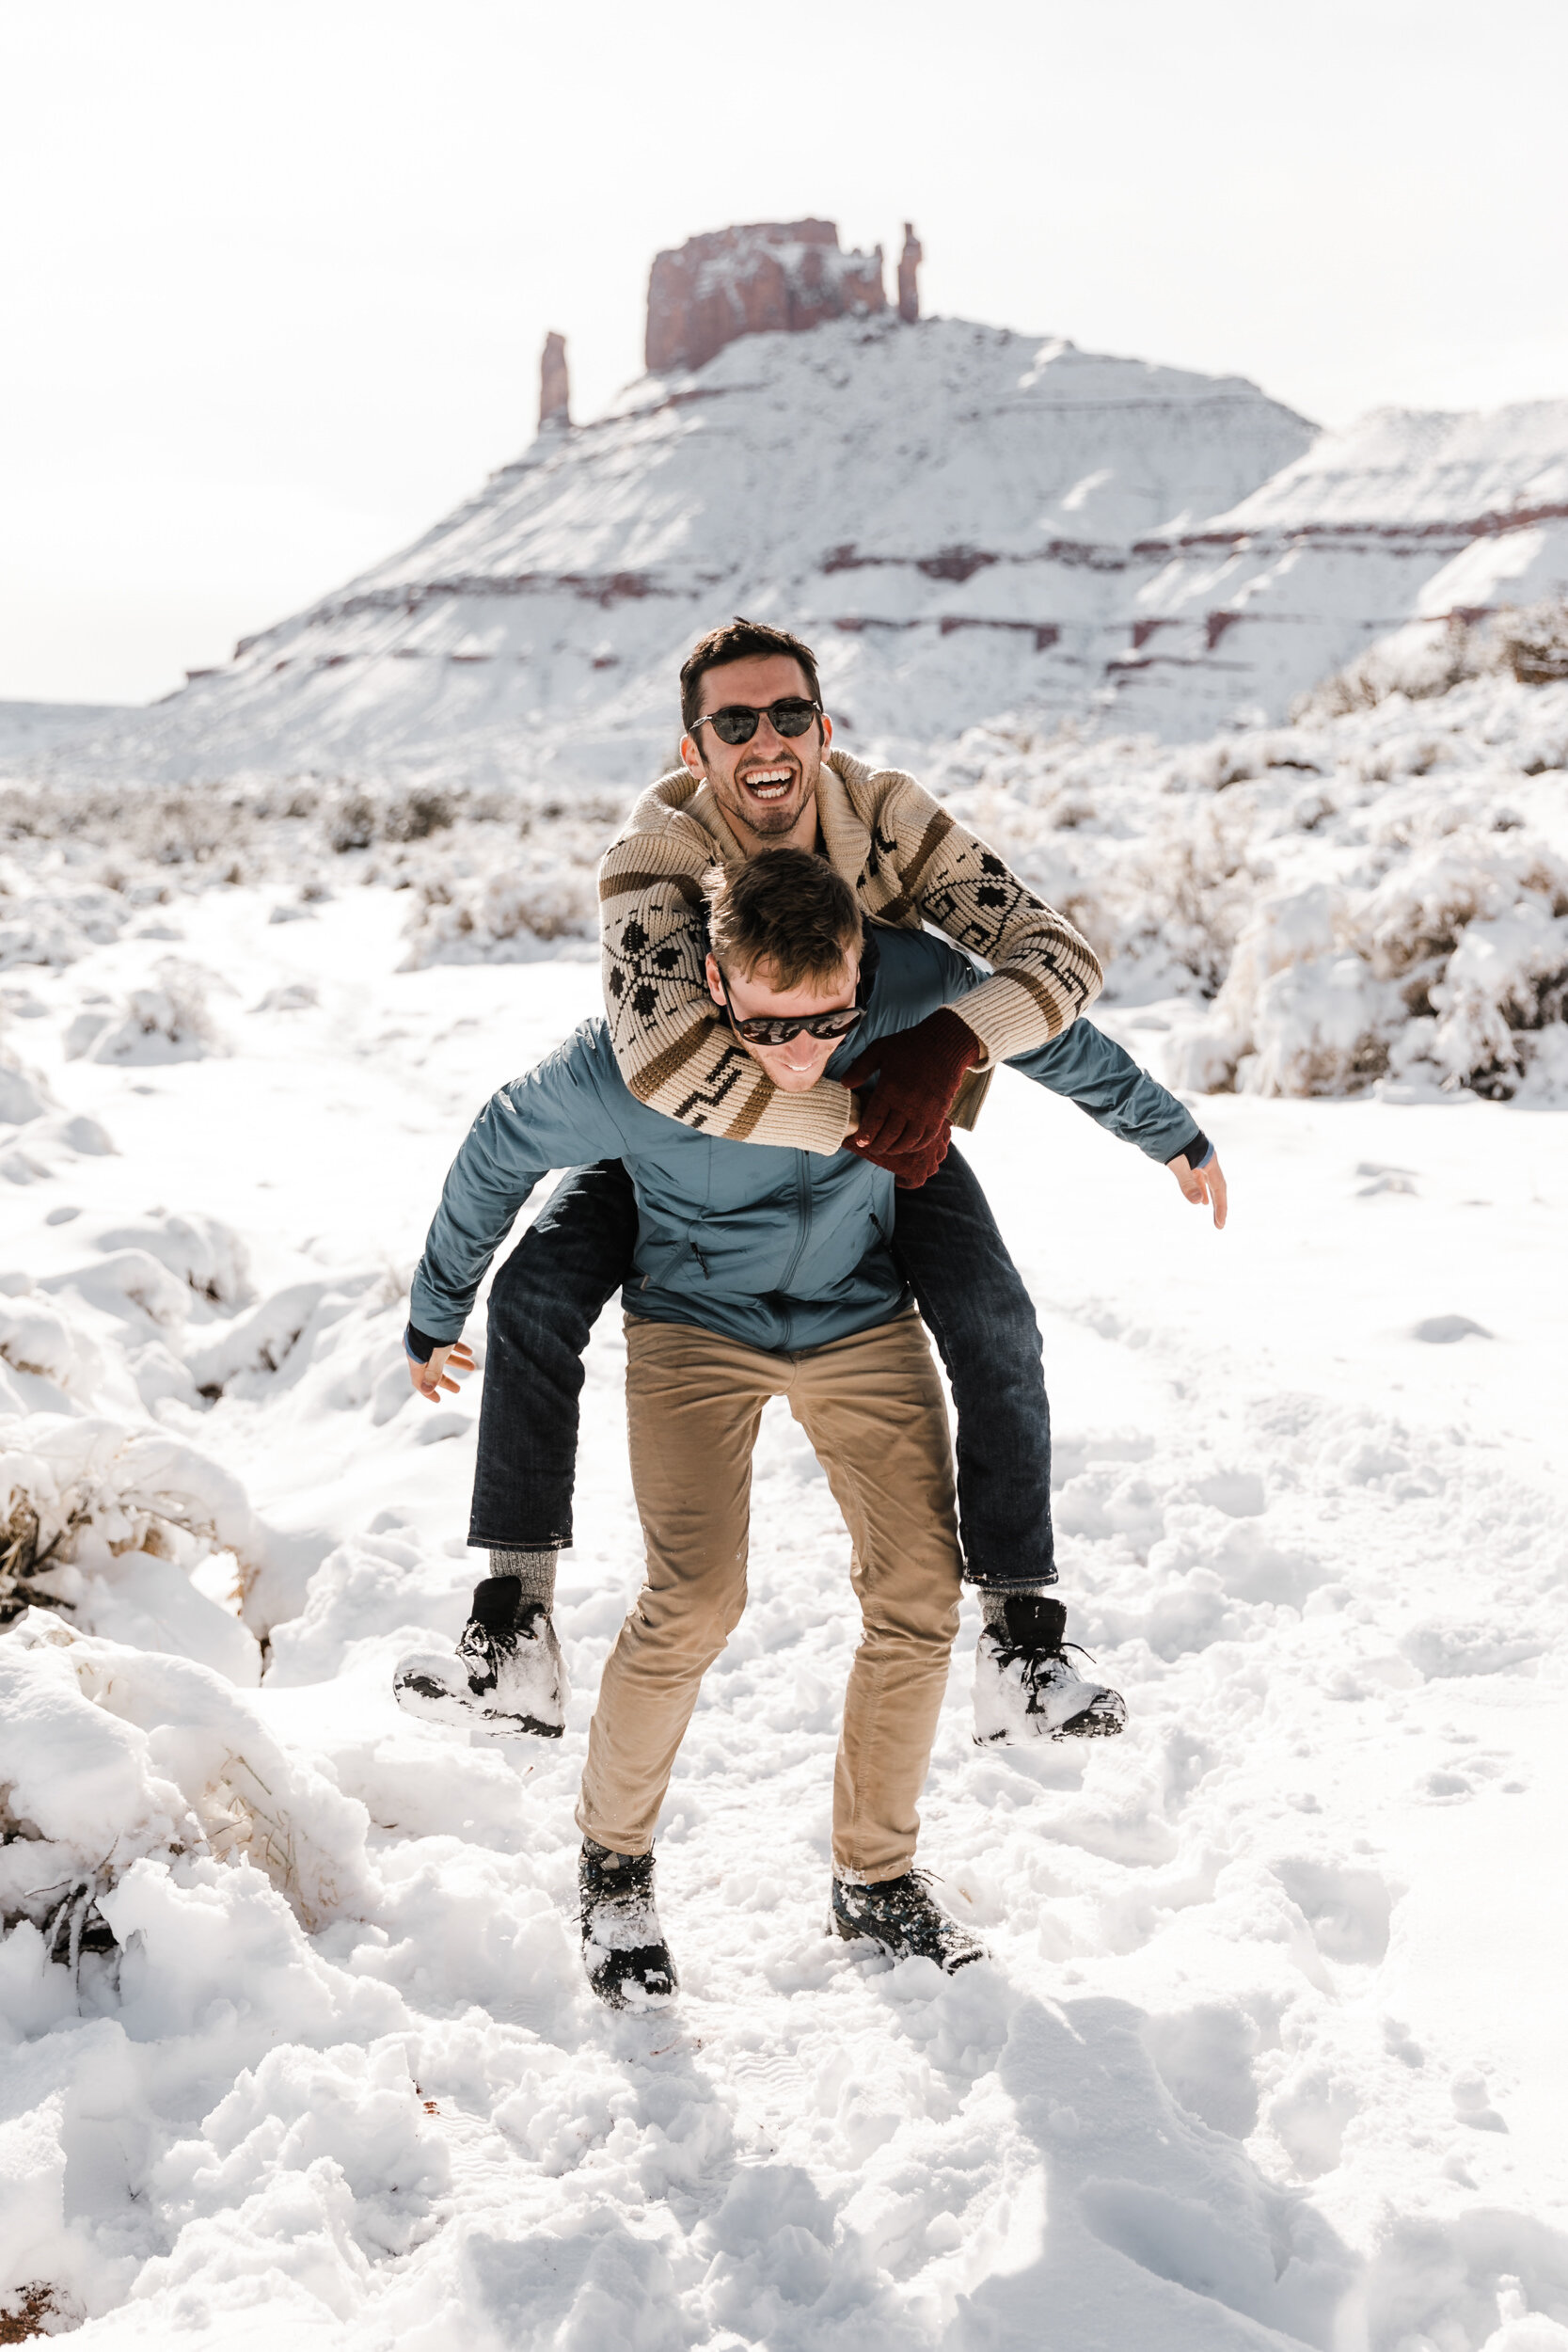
pixel 767 788
pixel 796 1064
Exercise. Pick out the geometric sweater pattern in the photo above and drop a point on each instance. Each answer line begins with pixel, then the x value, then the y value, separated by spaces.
pixel 908 861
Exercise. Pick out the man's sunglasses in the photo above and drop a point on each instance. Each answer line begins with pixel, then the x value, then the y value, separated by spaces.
pixel 764 1029
pixel 737 722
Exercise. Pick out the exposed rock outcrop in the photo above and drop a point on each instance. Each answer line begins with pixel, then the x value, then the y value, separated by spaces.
pixel 767 275
pixel 909 275
pixel 554 389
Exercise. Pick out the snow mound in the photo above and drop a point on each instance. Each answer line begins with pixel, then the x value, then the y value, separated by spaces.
pixel 171 1759
pixel 54 926
pixel 169 1020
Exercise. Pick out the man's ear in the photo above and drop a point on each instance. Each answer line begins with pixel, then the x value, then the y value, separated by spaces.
pixel 827 726
pixel 715 982
pixel 692 758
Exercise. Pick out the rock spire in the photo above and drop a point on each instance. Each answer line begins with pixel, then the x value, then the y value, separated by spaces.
pixel 554 390
pixel 909 275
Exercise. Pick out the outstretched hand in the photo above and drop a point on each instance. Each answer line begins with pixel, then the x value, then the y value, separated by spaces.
pixel 431 1379
pixel 1199 1184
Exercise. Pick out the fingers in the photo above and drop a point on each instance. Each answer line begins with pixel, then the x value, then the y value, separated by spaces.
pixel 881 1128
pixel 887 1135
pixel 431 1380
pixel 1203 1187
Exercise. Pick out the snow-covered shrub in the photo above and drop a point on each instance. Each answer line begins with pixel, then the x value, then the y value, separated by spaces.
pixel 1506 981
pixel 170 1021
pixel 110 1757
pixel 53 926
pixel 35 1337
pixel 1423 660
pixel 415 816
pixel 1183 896
pixel 1317 884
pixel 522 908
pixel 78 1493
pixel 206 1254
pixel 1533 642
pixel 1426 659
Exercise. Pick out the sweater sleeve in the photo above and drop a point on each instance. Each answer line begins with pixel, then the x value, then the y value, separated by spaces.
pixel 927 867
pixel 553 1118
pixel 674 1053
pixel 1105 1081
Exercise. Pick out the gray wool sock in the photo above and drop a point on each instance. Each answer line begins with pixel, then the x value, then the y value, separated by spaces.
pixel 993 1604
pixel 536 1570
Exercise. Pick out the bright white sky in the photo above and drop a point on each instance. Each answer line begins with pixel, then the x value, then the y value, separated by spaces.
pixel 275 277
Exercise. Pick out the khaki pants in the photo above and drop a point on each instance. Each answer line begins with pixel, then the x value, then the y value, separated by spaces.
pixel 872 1409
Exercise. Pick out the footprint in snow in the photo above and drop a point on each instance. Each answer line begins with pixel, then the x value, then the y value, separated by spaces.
pixel 1443 1331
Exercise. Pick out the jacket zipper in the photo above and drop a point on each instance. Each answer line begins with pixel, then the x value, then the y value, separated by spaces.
pixel 802 1206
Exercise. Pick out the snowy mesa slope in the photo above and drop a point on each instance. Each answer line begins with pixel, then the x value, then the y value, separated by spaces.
pixel 961 519
pixel 948 510
pixel 297 2048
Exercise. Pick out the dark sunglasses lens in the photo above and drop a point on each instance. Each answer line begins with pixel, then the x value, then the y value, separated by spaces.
pixel 734 723
pixel 792 716
pixel 767 1031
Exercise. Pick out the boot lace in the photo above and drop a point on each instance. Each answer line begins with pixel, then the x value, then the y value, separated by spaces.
pixel 1038 1662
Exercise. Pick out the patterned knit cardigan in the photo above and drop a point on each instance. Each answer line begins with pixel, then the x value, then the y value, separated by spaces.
pixel 908 861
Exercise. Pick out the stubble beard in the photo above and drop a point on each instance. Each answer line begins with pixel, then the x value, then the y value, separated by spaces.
pixel 764 823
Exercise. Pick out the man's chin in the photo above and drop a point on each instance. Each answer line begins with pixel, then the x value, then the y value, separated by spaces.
pixel 764 817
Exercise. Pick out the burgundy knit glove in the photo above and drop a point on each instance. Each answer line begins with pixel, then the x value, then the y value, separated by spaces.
pixel 910 1170
pixel 917 1075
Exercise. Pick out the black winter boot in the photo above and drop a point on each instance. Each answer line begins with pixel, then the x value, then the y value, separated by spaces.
pixel 901 1915
pixel 623 1950
pixel 1027 1687
pixel 507 1678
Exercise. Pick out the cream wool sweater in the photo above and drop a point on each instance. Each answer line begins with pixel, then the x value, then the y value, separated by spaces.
pixel 908 861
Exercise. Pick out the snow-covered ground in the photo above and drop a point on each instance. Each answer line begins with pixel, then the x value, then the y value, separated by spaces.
pixel 1271 2047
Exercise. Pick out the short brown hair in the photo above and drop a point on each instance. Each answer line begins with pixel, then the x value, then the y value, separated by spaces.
pixel 785 908
pixel 739 641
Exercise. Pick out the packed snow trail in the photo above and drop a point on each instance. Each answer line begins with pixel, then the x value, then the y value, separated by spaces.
pixel 1270 2047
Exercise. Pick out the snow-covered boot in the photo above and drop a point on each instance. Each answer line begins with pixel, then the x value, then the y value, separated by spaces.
pixel 1027 1687
pixel 506 1678
pixel 623 1950
pixel 902 1916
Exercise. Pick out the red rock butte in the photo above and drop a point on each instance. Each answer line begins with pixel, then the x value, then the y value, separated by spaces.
pixel 767 275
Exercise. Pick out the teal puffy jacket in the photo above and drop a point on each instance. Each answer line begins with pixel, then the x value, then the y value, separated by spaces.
pixel 782 1250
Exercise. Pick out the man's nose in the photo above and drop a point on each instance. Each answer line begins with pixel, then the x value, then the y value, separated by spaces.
pixel 767 738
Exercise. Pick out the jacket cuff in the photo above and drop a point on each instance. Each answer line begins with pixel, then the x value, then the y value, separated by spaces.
pixel 1197 1150
pixel 419 1347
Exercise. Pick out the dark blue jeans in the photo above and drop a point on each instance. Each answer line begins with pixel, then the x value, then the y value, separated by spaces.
pixel 576 1255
